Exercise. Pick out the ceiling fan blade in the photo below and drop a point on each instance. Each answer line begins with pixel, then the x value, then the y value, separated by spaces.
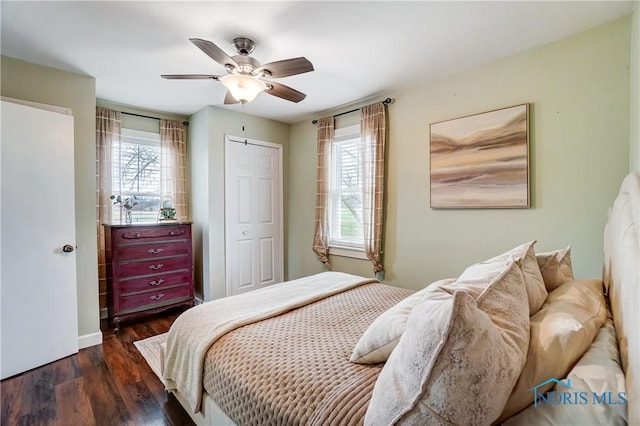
pixel 229 99
pixel 285 67
pixel 214 52
pixel 284 92
pixel 189 76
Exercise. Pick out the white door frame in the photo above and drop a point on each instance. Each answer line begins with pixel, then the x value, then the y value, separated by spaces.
pixel 279 187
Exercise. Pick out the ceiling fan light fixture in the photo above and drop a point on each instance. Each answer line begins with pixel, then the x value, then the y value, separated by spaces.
pixel 244 88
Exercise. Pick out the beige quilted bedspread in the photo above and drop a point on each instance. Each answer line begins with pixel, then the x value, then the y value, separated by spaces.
pixel 294 369
pixel 198 328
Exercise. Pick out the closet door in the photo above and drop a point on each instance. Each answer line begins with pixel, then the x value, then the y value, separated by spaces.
pixel 38 300
pixel 253 215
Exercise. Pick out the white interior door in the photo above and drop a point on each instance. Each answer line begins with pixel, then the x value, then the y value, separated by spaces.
pixel 253 214
pixel 38 279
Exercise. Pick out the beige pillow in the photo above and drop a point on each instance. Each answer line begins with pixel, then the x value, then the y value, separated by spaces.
pixel 458 358
pixel 598 371
pixel 555 267
pixel 526 256
pixel 560 333
pixel 382 336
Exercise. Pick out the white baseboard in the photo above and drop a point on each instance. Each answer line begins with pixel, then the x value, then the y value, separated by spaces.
pixel 90 340
pixel 197 301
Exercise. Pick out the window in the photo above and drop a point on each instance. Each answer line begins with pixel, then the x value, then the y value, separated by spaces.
pixel 136 172
pixel 350 188
pixel 345 193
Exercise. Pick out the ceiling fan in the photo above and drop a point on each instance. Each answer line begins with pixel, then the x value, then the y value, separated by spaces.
pixel 245 77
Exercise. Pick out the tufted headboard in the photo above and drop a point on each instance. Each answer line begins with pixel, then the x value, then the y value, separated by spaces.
pixel 622 281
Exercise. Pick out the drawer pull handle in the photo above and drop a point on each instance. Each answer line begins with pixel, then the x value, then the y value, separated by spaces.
pixel 172 233
pixel 156 283
pixel 156 267
pixel 156 296
pixel 155 251
pixel 138 235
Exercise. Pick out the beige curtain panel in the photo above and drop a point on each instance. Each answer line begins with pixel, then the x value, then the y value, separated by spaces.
pixel 321 232
pixel 372 133
pixel 173 166
pixel 108 136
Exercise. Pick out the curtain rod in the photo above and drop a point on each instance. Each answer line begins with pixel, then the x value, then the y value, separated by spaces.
pixel 386 102
pixel 186 123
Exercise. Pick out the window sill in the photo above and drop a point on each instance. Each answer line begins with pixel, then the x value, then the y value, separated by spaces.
pixel 354 253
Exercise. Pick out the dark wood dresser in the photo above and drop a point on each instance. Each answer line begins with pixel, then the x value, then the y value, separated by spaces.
pixel 149 268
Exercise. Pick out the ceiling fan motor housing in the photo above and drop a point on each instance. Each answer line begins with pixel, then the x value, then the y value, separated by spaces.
pixel 246 63
pixel 243 45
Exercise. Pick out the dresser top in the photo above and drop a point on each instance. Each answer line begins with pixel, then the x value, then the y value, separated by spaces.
pixel 146 224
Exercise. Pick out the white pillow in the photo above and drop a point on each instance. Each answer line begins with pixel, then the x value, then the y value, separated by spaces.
pixel 560 333
pixel 382 336
pixel 458 358
pixel 526 257
pixel 555 267
pixel 597 371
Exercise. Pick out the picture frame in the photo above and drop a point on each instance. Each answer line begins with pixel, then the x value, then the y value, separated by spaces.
pixel 481 161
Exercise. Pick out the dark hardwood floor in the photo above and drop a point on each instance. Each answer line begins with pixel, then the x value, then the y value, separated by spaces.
pixel 108 384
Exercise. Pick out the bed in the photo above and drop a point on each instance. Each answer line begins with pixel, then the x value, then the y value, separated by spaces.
pixel 515 340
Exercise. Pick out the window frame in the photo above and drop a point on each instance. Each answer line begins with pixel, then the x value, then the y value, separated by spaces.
pixel 335 246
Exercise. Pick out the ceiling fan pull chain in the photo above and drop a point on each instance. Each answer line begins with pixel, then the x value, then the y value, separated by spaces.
pixel 244 116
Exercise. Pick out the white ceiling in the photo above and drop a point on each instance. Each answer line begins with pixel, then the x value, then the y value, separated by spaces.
pixel 359 49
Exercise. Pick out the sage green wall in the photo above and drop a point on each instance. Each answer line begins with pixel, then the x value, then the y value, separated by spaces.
pixel 36 83
pixel 634 146
pixel 578 91
pixel 206 168
pixel 200 201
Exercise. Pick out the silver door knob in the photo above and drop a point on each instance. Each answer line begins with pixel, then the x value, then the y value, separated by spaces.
pixel 67 248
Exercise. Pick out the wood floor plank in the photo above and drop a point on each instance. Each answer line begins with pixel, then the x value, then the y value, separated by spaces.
pixel 142 405
pixel 11 391
pixel 65 369
pixel 175 413
pixel 41 400
pixel 172 409
pixel 72 402
pixel 106 401
pixel 119 362
pixel 163 324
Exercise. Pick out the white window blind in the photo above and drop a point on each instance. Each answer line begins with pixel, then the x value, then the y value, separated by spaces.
pixel 136 172
pixel 345 201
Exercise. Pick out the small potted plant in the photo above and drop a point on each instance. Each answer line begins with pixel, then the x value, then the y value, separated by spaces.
pixel 167 211
pixel 127 203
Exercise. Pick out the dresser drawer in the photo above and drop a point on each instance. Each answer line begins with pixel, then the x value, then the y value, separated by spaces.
pixel 152 267
pixel 157 282
pixel 156 249
pixel 128 235
pixel 155 298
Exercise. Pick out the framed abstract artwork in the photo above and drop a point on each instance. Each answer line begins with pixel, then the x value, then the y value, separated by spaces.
pixel 481 160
